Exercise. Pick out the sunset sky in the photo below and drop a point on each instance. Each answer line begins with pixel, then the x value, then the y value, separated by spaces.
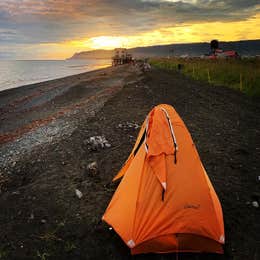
pixel 55 29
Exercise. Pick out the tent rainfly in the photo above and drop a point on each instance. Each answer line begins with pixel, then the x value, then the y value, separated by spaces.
pixel 165 201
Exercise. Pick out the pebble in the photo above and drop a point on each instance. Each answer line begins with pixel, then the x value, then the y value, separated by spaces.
pixel 78 193
pixel 255 204
pixel 97 142
pixel 31 216
pixel 129 125
pixel 16 193
pixel 92 166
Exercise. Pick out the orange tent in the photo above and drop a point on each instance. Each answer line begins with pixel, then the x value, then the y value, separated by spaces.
pixel 165 201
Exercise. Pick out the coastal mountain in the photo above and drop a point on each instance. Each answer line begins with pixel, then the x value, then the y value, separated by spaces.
pixel 95 54
pixel 245 48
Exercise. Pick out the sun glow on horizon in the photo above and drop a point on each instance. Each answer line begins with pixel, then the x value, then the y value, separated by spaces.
pixel 106 42
pixel 188 33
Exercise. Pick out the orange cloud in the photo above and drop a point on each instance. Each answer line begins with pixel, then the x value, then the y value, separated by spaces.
pixel 58 28
pixel 202 32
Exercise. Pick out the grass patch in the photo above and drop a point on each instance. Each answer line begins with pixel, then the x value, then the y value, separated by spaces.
pixel 3 253
pixel 69 247
pixel 242 75
pixel 42 256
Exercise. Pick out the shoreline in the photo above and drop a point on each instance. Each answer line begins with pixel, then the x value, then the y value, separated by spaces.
pixel 93 67
pixel 49 81
pixel 32 114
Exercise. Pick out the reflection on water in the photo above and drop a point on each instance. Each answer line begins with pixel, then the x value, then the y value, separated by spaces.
pixel 19 73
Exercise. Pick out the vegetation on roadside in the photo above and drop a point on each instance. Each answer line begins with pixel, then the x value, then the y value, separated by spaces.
pixel 239 74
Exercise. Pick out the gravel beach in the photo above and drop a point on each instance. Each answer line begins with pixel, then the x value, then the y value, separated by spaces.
pixel 62 141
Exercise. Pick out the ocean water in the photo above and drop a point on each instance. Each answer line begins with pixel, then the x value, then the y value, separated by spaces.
pixel 18 73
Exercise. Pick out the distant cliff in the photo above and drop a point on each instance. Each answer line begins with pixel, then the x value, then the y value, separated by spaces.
pixel 96 54
pixel 250 48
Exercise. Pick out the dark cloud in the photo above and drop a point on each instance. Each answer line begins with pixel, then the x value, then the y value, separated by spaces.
pixel 40 21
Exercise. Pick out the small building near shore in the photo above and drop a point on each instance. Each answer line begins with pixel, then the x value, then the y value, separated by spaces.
pixel 121 56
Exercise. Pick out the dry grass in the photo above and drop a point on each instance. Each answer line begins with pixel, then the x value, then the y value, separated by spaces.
pixel 242 75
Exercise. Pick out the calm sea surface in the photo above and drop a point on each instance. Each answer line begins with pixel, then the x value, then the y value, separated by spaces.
pixel 18 73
